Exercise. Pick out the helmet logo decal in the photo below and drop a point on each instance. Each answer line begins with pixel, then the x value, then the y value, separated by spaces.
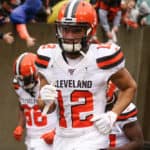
pixel 71 71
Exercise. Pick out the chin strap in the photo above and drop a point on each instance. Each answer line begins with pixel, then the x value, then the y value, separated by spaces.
pixel 63 54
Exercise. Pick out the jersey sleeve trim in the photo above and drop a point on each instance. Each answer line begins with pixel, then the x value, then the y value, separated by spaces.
pixel 113 60
pixel 125 116
pixel 42 61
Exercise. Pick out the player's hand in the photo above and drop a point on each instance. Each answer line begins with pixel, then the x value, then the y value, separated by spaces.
pixel 114 36
pixel 109 35
pixel 8 38
pixel 30 41
pixel 48 93
pixel 115 29
pixel 48 11
pixel 105 122
pixel 49 137
pixel 18 132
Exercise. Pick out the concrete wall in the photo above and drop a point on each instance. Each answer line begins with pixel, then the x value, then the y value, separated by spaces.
pixel 134 43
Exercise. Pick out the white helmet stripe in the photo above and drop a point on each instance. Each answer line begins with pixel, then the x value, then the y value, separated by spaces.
pixel 18 62
pixel 73 3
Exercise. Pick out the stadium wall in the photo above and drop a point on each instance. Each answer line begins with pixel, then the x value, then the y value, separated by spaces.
pixel 134 43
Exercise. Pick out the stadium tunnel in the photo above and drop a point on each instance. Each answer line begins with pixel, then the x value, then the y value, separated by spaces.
pixel 135 45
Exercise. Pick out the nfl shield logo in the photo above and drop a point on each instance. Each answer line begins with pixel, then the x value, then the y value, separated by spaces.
pixel 71 71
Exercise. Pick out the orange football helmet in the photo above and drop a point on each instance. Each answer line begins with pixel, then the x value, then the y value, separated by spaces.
pixel 25 70
pixel 76 16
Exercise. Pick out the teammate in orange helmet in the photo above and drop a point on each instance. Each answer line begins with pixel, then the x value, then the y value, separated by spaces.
pixel 40 128
pixel 80 71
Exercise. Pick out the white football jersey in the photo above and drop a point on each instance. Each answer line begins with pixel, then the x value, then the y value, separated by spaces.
pixel 81 87
pixel 117 137
pixel 36 123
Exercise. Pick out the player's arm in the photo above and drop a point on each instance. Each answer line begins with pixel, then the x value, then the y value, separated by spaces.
pixel 43 82
pixel 127 86
pixel 18 131
pixel 114 62
pixel 21 120
pixel 46 101
pixel 134 133
pixel 48 92
pixel 24 34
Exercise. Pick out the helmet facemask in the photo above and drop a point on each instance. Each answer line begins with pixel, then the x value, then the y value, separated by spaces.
pixel 79 39
pixel 27 82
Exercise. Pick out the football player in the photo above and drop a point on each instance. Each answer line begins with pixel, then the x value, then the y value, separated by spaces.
pixel 80 71
pixel 40 128
pixel 126 133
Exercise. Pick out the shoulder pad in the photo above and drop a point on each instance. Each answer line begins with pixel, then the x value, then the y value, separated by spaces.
pixel 44 55
pixel 109 55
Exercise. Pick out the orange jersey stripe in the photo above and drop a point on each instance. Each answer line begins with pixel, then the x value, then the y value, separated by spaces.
pixel 110 61
pixel 42 61
pixel 125 116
